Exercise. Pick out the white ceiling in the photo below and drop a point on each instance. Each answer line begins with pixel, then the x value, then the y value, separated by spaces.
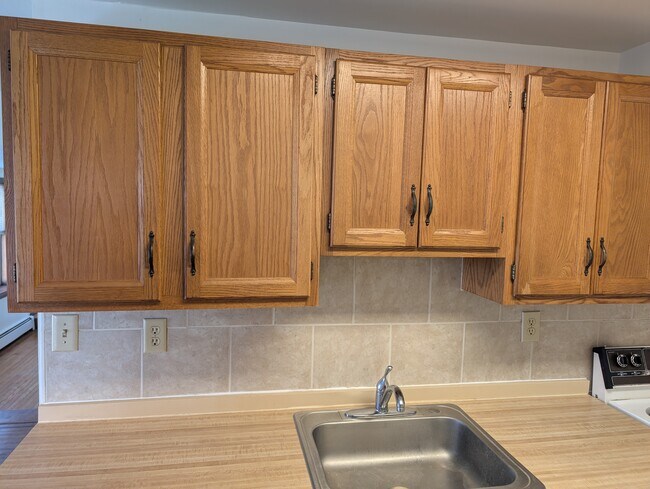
pixel 601 25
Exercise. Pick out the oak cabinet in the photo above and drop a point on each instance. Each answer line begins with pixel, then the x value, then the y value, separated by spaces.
pixel 401 179
pixel 249 152
pixel 465 159
pixel 377 155
pixel 85 168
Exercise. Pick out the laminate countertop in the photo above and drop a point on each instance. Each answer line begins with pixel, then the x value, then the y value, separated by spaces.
pixel 567 442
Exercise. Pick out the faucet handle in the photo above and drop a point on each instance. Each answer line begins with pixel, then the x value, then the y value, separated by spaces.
pixel 389 368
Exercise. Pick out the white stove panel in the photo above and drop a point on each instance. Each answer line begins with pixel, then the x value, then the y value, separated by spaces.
pixel 637 408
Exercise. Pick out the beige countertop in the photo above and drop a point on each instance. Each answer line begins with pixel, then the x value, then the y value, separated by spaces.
pixel 567 442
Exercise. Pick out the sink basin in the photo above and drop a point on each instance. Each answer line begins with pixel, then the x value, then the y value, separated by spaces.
pixel 439 447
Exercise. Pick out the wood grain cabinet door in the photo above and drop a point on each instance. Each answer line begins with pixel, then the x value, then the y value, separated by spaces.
pixel 86 167
pixel 378 126
pixel 562 136
pixel 249 173
pixel 623 226
pixel 465 161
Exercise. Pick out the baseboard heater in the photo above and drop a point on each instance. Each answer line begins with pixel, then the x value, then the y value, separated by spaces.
pixel 16 331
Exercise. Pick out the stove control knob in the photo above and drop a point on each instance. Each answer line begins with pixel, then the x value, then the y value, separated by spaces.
pixel 636 361
pixel 621 360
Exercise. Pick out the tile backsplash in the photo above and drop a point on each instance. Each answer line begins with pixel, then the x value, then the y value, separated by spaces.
pixel 409 312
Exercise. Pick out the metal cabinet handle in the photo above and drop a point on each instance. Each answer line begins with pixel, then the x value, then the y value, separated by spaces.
pixel 430 207
pixel 192 253
pixel 150 253
pixel 603 254
pixel 414 204
pixel 590 254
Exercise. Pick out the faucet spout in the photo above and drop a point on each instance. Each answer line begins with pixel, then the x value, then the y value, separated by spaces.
pixel 400 405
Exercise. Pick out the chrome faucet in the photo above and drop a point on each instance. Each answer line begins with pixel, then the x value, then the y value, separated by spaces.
pixel 383 393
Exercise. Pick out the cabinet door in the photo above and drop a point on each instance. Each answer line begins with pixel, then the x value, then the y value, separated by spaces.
pixel 377 155
pixel 623 227
pixel 249 173
pixel 562 137
pixel 86 166
pixel 465 163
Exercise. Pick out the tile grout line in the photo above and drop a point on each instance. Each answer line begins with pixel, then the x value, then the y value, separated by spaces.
pixel 530 362
pixel 142 364
pixel 229 359
pixel 313 349
pixel 273 316
pixel 390 344
pixel 462 355
pixel 430 288
pixel 354 288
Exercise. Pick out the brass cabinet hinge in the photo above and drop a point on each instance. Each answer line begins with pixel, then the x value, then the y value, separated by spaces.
pixel 333 87
pixel 9 59
pixel 513 272
pixel 524 100
pixel 501 224
pixel 14 274
pixel 315 84
pixel 312 271
pixel 510 99
pixel 329 221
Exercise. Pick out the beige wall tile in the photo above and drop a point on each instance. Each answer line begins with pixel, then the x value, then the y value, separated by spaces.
pixel 271 357
pixel 85 320
pixel 334 296
pixel 107 366
pixel 133 319
pixel 624 333
pixel 196 362
pixel 350 355
pixel 426 353
pixel 600 311
pixel 641 311
pixel 450 304
pixel 548 312
pixel 229 317
pixel 391 290
pixel 493 351
pixel 564 350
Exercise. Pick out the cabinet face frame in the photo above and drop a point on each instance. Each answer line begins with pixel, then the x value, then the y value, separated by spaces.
pixel 365 95
pixel 298 72
pixel 30 49
pixel 623 202
pixel 450 138
pixel 542 91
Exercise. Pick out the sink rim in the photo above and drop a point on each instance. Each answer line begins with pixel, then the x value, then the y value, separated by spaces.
pixel 307 421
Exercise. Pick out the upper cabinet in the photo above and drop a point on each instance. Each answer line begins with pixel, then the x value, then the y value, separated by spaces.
pixel 249 200
pixel 377 155
pixel 622 234
pixel 405 180
pixel 561 156
pixel 86 166
pixel 465 159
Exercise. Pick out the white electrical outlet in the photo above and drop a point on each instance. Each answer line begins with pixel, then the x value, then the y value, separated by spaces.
pixel 530 325
pixel 155 335
pixel 65 332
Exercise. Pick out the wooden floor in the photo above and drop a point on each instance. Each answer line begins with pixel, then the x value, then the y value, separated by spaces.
pixel 19 374
pixel 18 391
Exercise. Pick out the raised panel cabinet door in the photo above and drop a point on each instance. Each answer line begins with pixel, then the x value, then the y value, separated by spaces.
pixel 465 161
pixel 623 225
pixel 378 124
pixel 249 172
pixel 86 132
pixel 561 154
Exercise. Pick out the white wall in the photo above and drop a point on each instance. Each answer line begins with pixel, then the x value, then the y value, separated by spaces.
pixel 636 60
pixel 112 13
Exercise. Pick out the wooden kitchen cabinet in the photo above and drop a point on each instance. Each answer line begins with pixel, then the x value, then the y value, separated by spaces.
pixel 561 156
pixel 86 167
pixel 622 235
pixel 249 152
pixel 377 155
pixel 465 162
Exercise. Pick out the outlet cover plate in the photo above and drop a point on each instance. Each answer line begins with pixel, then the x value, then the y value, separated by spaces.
pixel 530 326
pixel 65 332
pixel 155 335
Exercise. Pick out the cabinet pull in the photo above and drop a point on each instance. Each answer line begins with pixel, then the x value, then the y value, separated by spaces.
pixel 430 208
pixel 150 253
pixel 590 254
pixel 414 204
pixel 603 254
pixel 192 253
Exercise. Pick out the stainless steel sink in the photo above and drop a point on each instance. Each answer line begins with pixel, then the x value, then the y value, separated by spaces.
pixel 439 447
